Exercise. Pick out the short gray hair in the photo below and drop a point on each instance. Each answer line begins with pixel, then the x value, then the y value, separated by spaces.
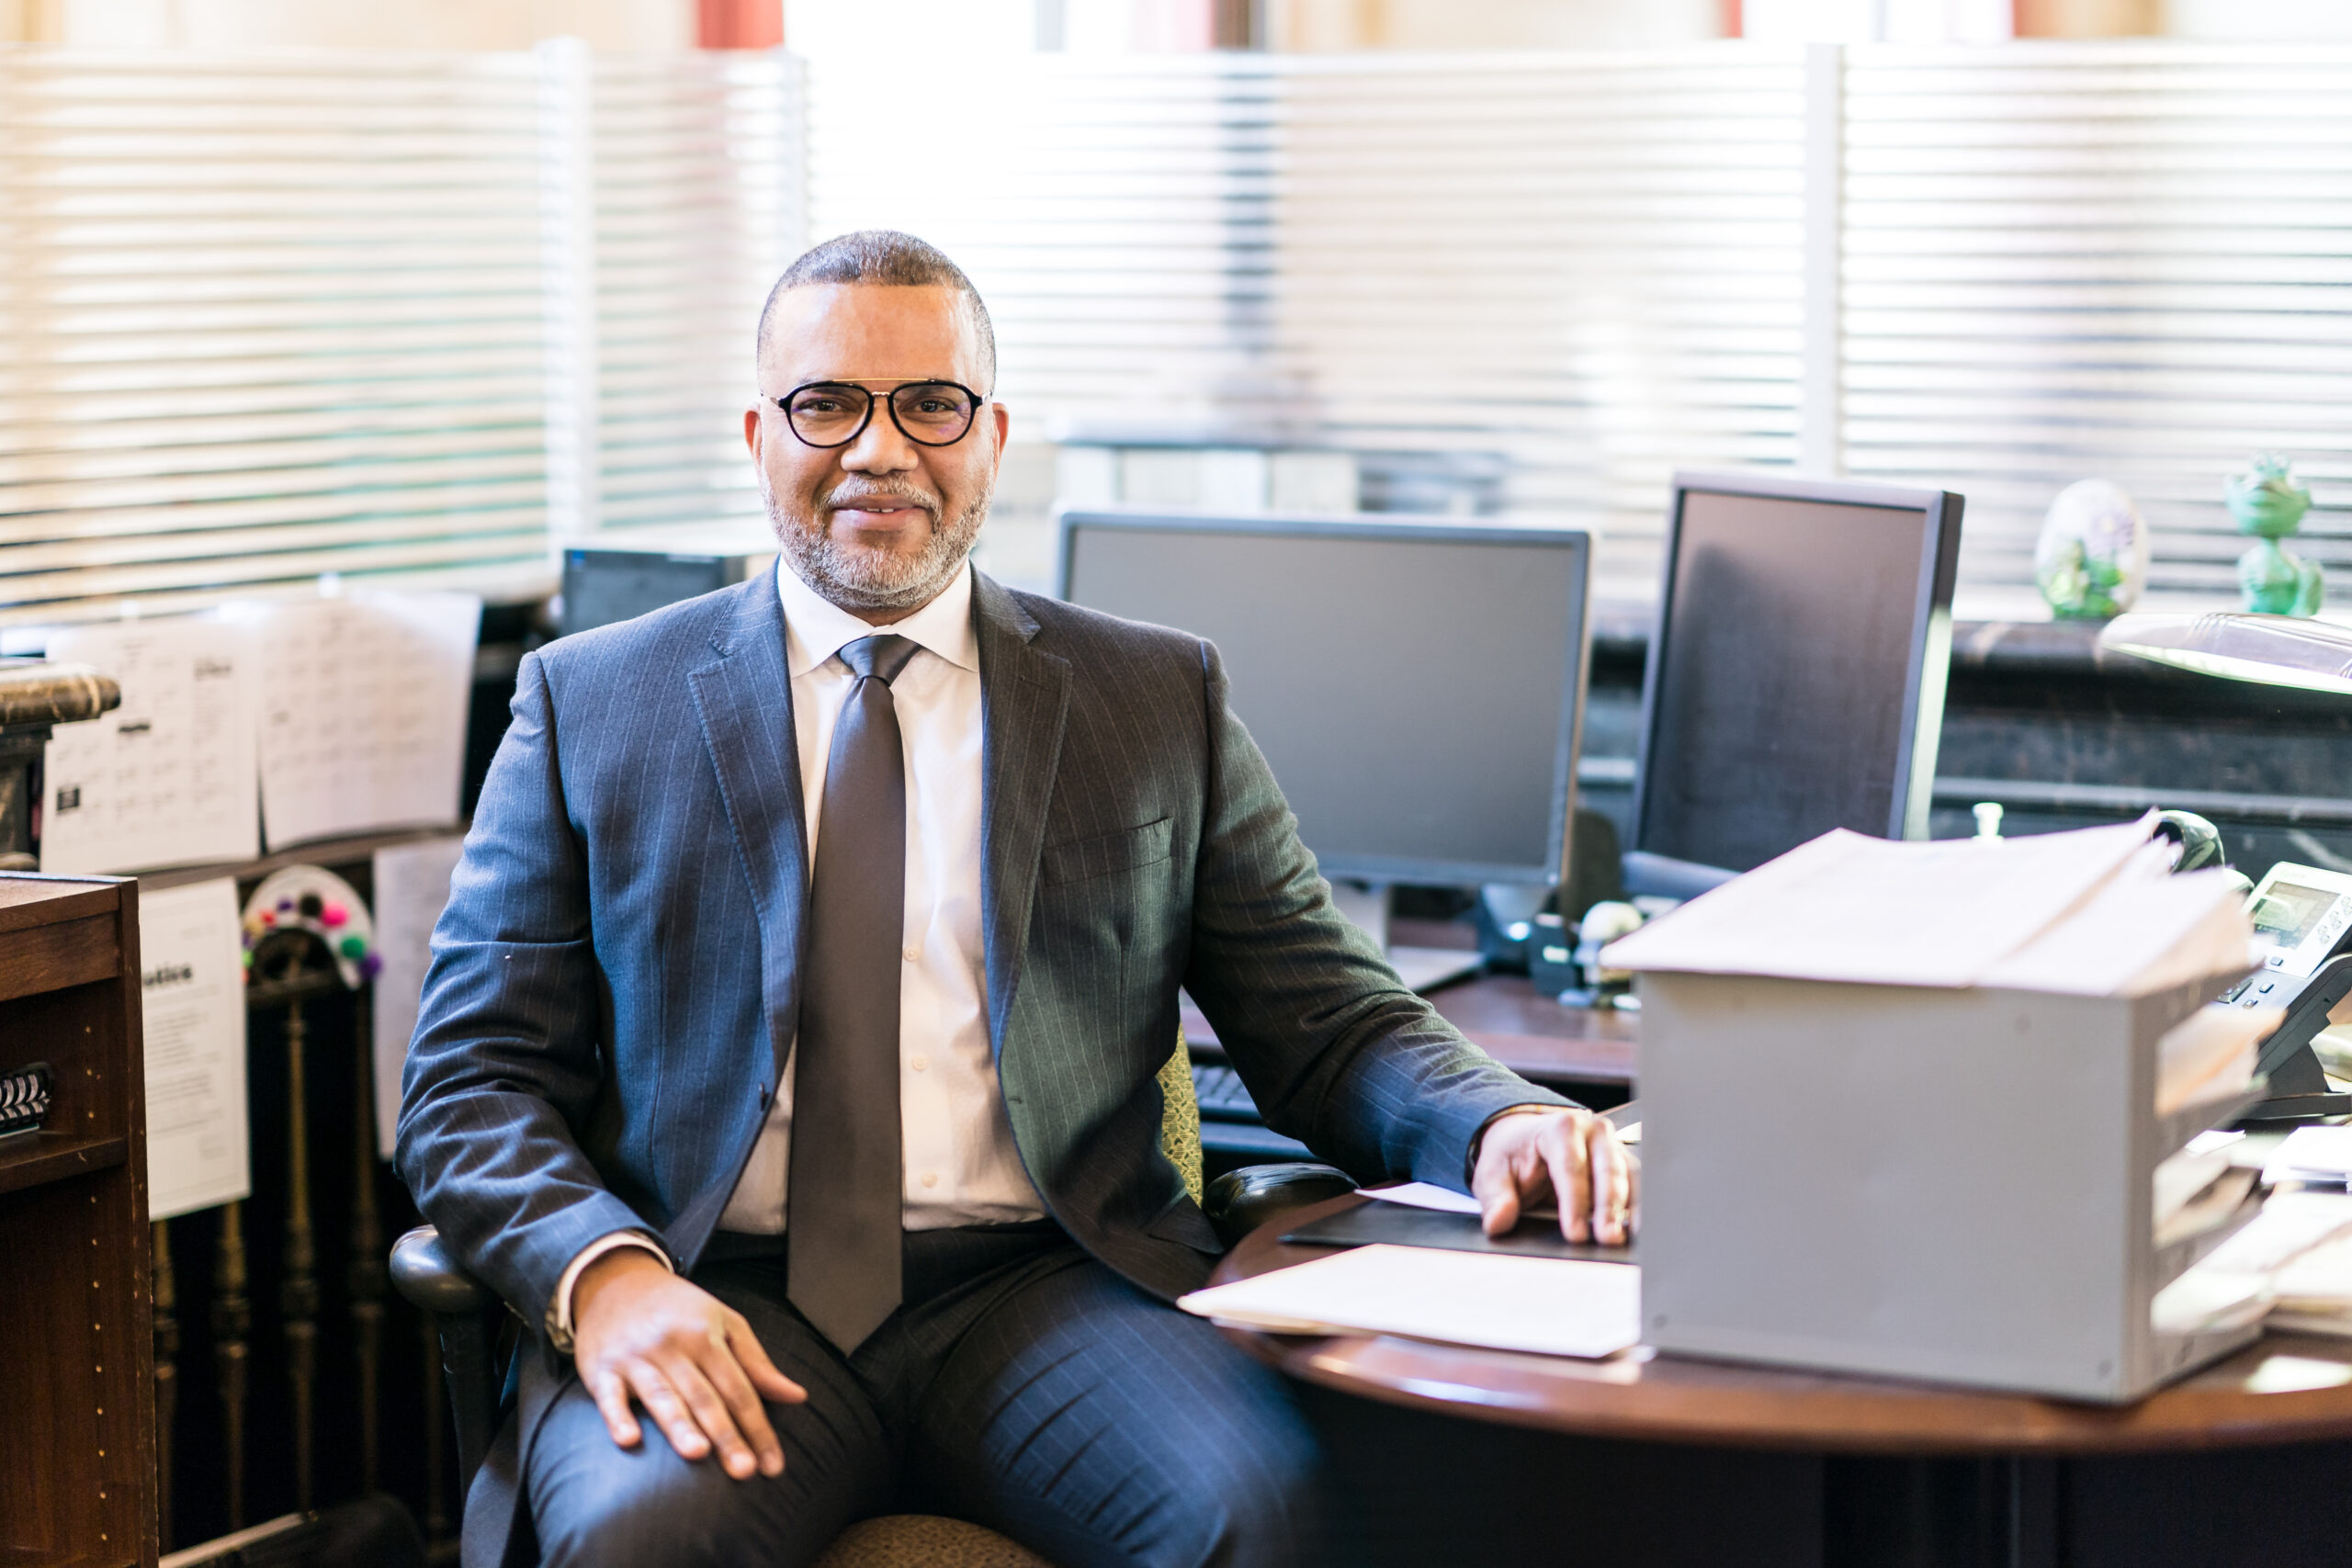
pixel 884 258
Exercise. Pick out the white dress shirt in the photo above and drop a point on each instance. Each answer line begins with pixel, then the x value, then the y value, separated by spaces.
pixel 960 1166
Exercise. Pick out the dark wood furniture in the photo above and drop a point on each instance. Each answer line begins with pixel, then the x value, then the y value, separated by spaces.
pixel 77 1455
pixel 1997 1452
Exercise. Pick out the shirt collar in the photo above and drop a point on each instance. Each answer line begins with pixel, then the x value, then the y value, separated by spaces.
pixel 815 628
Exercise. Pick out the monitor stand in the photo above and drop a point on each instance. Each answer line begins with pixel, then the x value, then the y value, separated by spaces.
pixel 1365 905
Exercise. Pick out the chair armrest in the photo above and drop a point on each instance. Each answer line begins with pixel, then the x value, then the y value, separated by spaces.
pixel 465 1314
pixel 1241 1201
pixel 433 1282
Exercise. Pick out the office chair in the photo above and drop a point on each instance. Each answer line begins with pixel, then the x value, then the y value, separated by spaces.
pixel 469 1318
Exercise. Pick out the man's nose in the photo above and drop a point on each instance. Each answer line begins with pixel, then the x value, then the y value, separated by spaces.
pixel 881 447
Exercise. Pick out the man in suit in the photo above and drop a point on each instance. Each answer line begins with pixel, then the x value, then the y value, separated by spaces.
pixel 788 1056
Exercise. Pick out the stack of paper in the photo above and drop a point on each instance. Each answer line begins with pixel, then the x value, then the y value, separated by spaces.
pixel 2090 913
pixel 2242 1278
pixel 2315 1157
pixel 1548 1306
pixel 2210 1055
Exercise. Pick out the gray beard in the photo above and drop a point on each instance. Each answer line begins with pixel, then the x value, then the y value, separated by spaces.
pixel 864 580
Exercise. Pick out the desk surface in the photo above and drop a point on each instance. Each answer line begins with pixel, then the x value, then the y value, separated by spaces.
pixel 1673 1398
pixel 1531 1035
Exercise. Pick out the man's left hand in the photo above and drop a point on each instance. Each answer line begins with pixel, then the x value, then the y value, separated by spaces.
pixel 1573 1155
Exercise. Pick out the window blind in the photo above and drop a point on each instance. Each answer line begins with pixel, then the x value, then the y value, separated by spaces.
pixel 265 317
pixel 1572 272
pixel 700 204
pixel 2126 259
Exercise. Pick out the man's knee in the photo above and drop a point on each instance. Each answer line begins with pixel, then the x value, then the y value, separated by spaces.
pixel 602 1506
pixel 1256 1500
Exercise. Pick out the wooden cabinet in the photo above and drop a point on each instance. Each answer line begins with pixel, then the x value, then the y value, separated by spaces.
pixel 77 1448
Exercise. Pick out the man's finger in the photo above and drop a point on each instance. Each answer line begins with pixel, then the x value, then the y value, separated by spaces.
pixel 728 1380
pixel 764 1373
pixel 1563 1151
pixel 1496 1190
pixel 1611 1193
pixel 710 1413
pixel 669 1412
pixel 612 1401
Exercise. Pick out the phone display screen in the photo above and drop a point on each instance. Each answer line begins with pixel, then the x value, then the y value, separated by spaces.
pixel 2287 914
pixel 2300 914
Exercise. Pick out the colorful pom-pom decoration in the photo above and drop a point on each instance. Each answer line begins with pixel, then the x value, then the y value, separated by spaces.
pixel 313 899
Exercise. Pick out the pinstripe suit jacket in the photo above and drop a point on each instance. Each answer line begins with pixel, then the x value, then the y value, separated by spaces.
pixel 615 982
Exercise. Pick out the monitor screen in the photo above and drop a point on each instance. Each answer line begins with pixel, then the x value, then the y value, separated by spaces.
pixel 1413 686
pixel 1786 697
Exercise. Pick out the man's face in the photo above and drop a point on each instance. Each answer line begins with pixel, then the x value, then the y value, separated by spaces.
pixel 879 526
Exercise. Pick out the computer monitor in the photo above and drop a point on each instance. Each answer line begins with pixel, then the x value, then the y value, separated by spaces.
pixel 1415 683
pixel 1796 673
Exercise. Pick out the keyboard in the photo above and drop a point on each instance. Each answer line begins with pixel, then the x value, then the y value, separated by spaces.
pixel 1221 1095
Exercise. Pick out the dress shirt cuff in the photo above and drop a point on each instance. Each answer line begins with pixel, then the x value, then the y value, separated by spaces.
pixel 560 1308
pixel 1478 1139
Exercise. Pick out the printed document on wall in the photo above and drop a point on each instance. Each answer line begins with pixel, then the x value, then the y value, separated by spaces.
pixel 192 990
pixel 167 778
pixel 411 886
pixel 363 711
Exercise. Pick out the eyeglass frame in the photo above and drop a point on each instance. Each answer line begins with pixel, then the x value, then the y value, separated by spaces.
pixel 874 398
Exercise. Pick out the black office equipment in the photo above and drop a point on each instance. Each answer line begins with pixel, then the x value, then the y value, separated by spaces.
pixel 1402 1224
pixel 1796 673
pixel 1416 684
pixel 2303 914
pixel 602 586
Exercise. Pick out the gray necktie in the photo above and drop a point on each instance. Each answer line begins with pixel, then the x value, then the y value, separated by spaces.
pixel 841 1230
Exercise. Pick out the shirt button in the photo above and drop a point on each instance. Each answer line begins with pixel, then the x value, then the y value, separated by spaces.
pixel 912 954
pixel 920 1063
pixel 931 1179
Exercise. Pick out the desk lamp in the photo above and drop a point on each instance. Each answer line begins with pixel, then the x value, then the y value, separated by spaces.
pixel 2275 651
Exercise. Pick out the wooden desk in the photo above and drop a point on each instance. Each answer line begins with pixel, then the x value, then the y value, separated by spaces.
pixel 1530 1033
pixel 2282 1389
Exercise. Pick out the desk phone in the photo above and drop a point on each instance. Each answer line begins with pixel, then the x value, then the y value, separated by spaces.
pixel 2302 916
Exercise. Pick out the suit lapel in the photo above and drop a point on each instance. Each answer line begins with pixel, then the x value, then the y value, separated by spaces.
pixel 1025 702
pixel 743 697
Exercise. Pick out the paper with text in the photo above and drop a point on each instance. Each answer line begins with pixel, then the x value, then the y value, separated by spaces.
pixel 1547 1306
pixel 192 993
pixel 411 886
pixel 168 778
pixel 362 703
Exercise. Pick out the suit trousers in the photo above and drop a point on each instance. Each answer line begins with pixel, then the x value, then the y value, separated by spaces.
pixel 1021 1385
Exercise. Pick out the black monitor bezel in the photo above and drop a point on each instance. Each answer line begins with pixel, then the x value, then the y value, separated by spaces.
pixel 1931 652
pixel 1404 526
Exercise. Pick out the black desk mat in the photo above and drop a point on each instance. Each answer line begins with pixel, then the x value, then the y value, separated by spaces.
pixel 1401 1225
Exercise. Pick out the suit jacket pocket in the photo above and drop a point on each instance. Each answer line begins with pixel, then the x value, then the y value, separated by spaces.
pixel 1081 860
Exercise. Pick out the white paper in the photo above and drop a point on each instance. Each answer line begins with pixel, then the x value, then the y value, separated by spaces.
pixel 192 990
pixel 362 711
pixel 411 886
pixel 2291 1225
pixel 167 778
pixel 2089 913
pixel 1424 1195
pixel 2210 1054
pixel 2313 1154
pixel 1847 907
pixel 1548 1306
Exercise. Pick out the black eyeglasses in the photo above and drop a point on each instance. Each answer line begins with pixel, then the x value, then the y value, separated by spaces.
pixel 834 414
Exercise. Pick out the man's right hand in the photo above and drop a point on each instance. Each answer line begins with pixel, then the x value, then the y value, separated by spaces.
pixel 640 1332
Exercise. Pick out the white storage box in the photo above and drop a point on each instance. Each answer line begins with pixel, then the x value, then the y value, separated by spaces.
pixel 1945 1183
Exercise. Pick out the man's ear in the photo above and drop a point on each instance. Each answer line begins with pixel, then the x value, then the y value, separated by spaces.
pixel 1003 426
pixel 753 430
